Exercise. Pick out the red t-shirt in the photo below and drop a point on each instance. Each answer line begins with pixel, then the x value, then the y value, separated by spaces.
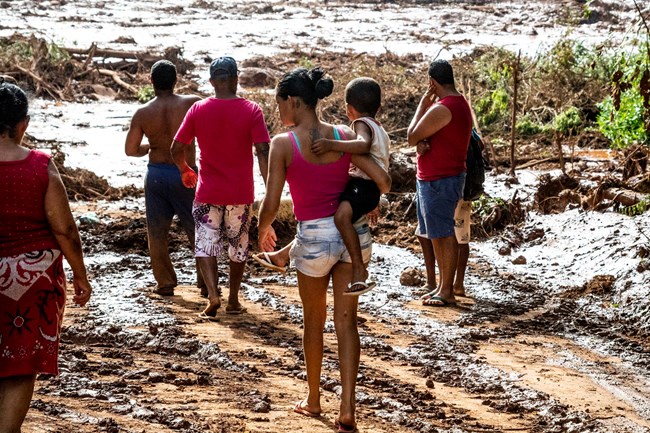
pixel 448 152
pixel 23 224
pixel 225 130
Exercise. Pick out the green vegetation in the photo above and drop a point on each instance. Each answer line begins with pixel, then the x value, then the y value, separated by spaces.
pixel 637 209
pixel 527 127
pixel 568 88
pixel 145 94
pixel 485 204
pixel 568 122
pixel 624 117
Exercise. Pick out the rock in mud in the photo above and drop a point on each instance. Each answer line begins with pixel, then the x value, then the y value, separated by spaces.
pixel 411 277
pixel 258 77
pixel 505 250
pixel 521 260
pixel 600 284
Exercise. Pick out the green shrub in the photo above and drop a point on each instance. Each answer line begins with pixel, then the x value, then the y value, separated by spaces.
pixel 493 107
pixel 637 209
pixel 625 126
pixel 568 122
pixel 145 94
pixel 622 117
pixel 527 127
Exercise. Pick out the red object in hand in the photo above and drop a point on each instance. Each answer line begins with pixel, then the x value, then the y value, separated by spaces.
pixel 189 178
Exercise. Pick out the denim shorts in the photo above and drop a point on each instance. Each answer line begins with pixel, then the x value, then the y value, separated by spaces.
pixel 318 246
pixel 436 202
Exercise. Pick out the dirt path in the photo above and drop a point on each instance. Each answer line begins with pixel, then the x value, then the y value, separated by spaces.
pixel 464 369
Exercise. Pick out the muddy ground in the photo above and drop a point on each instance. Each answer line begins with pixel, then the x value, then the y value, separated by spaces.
pixel 552 337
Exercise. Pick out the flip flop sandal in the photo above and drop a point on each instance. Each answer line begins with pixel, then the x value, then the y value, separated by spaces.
pixel 422 291
pixel 265 260
pixel 240 310
pixel 361 288
pixel 203 316
pixel 429 295
pixel 298 408
pixel 438 301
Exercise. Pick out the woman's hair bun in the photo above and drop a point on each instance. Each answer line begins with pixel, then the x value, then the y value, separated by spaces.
pixel 323 84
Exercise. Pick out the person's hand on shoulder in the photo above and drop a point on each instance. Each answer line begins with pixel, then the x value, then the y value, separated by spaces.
pixel 321 146
pixel 189 178
pixel 82 290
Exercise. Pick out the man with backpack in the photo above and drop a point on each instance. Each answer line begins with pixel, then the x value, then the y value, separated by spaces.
pixel 441 131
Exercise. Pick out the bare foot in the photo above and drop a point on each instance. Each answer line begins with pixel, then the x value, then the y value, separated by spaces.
pixel 279 258
pixel 359 275
pixel 459 291
pixel 213 306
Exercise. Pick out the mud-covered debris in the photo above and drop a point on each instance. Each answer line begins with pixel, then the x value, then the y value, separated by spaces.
pixel 520 260
pixel 547 197
pixel 259 77
pixel 534 234
pixel 600 284
pixel 505 250
pixel 411 277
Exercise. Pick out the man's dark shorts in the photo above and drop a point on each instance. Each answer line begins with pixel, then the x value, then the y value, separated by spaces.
pixel 436 203
pixel 362 194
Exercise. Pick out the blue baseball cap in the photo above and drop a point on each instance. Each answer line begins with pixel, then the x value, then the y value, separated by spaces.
pixel 223 67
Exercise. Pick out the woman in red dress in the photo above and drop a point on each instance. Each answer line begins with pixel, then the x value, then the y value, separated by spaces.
pixel 36 231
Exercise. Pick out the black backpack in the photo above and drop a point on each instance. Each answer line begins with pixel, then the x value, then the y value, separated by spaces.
pixel 476 167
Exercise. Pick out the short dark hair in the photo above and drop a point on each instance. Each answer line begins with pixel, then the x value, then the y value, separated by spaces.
pixel 441 71
pixel 364 95
pixel 308 85
pixel 13 107
pixel 163 75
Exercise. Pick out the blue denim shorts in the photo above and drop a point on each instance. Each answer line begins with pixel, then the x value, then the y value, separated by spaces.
pixel 436 202
pixel 318 246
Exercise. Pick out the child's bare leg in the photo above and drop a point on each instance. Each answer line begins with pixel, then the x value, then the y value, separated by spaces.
pixel 344 223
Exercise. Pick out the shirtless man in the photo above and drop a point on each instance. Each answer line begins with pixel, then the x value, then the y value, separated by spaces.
pixel 165 195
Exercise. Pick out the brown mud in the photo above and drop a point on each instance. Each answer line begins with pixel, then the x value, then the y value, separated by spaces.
pixel 558 344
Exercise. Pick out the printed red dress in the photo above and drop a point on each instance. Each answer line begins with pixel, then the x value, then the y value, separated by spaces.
pixel 32 281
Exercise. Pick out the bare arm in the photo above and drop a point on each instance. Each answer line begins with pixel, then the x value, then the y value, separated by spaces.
pixel 277 175
pixel 188 175
pixel 62 224
pixel 427 120
pixel 372 169
pixel 262 151
pixel 358 146
pixel 133 145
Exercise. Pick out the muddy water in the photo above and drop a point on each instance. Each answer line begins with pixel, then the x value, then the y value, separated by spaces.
pixel 247 28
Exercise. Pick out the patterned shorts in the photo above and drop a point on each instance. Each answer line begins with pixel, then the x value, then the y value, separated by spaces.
pixel 462 221
pixel 219 227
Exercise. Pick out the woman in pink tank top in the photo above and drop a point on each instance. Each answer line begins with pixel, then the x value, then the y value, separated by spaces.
pixel 318 253
pixel 36 231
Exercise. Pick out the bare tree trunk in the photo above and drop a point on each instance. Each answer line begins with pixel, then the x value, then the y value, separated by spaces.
pixel 515 77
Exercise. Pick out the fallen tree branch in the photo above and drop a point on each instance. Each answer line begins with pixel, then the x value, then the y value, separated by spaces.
pixel 51 90
pixel 118 80
pixel 623 196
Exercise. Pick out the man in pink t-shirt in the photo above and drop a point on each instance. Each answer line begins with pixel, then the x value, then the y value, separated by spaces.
pixel 226 128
